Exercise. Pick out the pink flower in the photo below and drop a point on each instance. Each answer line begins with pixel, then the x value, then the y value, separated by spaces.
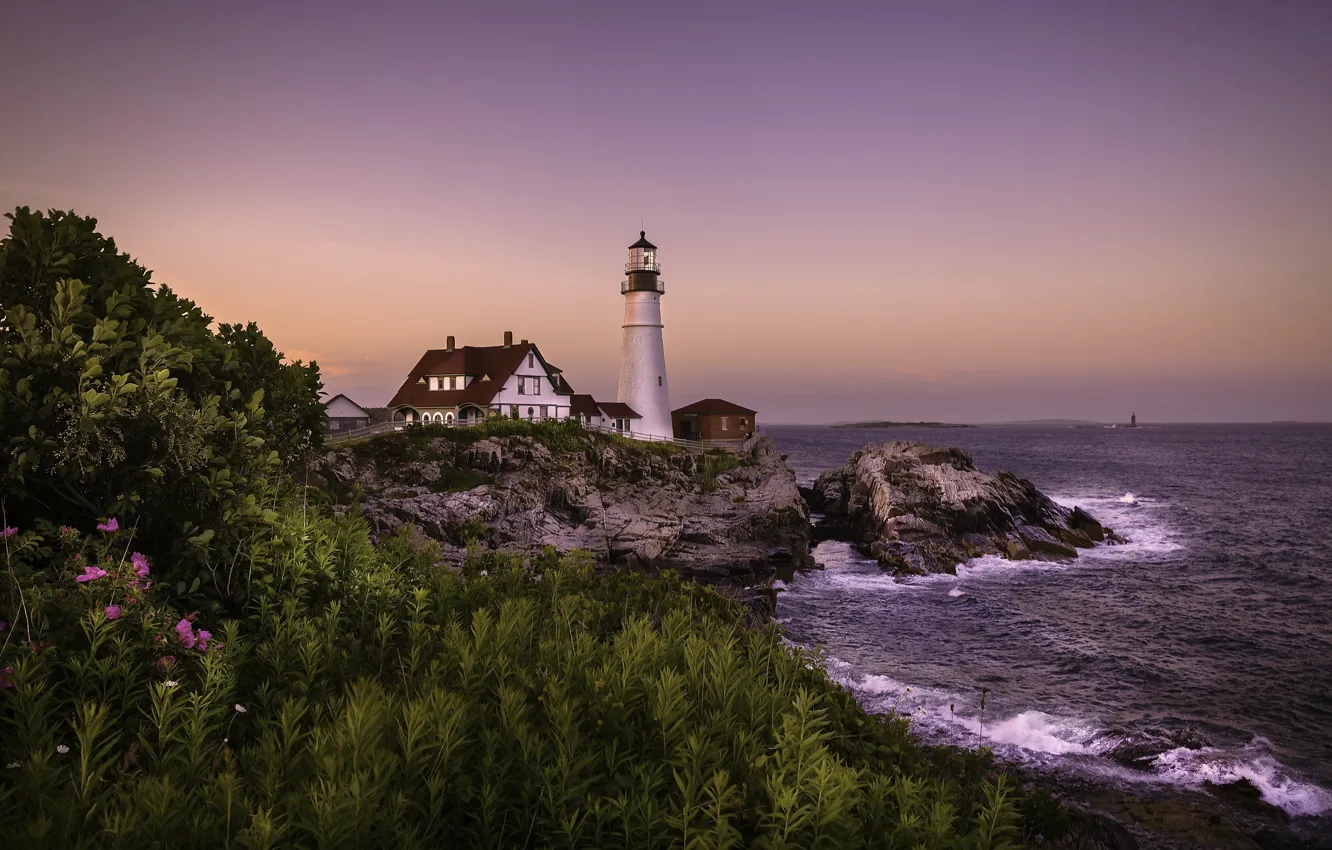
pixel 203 638
pixel 140 564
pixel 8 532
pixel 112 612
pixel 165 663
pixel 109 526
pixel 185 632
pixel 7 677
pixel 90 573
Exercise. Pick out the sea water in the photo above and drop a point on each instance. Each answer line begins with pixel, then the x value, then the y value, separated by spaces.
pixel 1206 637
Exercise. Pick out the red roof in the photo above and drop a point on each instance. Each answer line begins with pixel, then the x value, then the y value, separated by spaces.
pixel 582 404
pixel 618 410
pixel 714 405
pixel 494 362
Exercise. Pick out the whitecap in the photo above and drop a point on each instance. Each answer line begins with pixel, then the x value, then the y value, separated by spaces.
pixel 955 592
pixel 1274 781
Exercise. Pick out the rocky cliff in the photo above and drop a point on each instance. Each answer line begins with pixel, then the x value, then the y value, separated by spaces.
pixel 713 516
pixel 921 509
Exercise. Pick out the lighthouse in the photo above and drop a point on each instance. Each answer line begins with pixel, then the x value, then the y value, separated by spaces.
pixel 643 384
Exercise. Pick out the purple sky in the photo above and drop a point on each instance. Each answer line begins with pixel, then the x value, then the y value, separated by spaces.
pixel 964 211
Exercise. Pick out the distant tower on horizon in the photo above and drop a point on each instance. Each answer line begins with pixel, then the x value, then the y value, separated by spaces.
pixel 643 384
pixel 1133 421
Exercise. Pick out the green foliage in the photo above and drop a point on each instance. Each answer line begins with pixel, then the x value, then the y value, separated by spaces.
pixel 371 697
pixel 294 418
pixel 713 463
pixel 117 399
pixel 417 444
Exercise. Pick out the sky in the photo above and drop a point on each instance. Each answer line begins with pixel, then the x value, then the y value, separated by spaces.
pixel 959 211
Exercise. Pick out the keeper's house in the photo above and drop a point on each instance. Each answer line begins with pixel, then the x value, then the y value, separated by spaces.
pixel 461 385
pixel 343 414
pixel 713 420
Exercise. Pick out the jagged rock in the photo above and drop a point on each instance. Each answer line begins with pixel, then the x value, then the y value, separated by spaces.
pixel 619 501
pixel 918 508
pixel 1082 521
pixel 1040 542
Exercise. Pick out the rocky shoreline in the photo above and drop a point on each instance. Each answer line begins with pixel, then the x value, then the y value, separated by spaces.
pixel 739 521
pixel 718 517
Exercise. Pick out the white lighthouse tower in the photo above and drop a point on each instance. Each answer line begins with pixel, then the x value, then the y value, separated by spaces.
pixel 643 384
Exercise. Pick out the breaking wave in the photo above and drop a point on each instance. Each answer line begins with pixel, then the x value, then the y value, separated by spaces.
pixel 1037 738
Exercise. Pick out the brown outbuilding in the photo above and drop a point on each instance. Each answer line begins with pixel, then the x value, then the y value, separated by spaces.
pixel 713 420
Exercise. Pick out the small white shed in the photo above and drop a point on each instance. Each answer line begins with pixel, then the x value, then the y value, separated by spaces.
pixel 343 414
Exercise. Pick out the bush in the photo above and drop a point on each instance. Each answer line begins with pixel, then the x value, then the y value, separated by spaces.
pixel 117 399
pixel 369 697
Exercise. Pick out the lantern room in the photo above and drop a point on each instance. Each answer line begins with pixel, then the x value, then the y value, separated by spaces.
pixel 642 256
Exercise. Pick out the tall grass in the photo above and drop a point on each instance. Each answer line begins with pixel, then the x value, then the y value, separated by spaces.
pixel 371 698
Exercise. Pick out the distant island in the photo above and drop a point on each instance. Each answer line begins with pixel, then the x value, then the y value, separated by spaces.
pixel 901 425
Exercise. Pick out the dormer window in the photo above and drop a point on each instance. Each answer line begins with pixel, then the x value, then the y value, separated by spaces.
pixel 531 360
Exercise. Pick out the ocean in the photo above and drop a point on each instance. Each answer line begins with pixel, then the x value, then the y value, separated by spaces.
pixel 1203 646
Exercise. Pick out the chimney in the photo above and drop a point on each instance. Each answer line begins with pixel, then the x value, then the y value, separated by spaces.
pixel 524 342
pixel 448 344
pixel 508 339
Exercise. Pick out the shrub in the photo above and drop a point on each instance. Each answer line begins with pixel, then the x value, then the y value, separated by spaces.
pixel 373 698
pixel 117 399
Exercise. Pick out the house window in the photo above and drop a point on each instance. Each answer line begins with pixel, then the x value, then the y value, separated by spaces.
pixel 723 423
pixel 529 414
pixel 544 408
pixel 536 386
pixel 448 417
pixel 334 425
pixel 453 382
pixel 659 380
pixel 743 421
pixel 531 360
pixel 522 386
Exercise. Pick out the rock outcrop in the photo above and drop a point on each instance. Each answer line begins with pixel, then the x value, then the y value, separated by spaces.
pixel 712 516
pixel 921 509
